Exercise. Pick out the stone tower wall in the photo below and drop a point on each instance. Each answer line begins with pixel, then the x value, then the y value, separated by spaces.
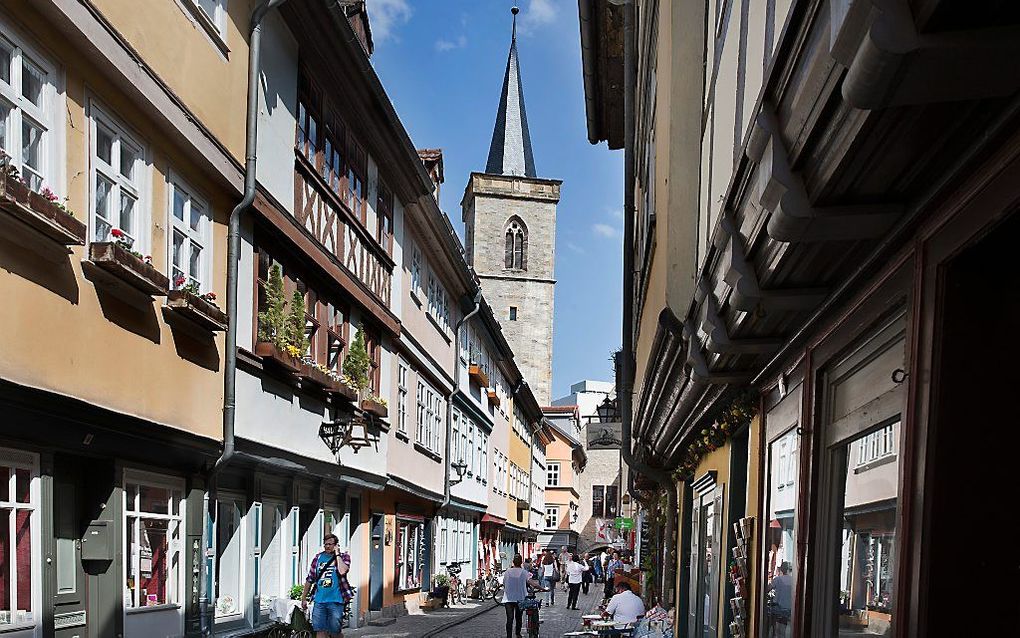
pixel 490 201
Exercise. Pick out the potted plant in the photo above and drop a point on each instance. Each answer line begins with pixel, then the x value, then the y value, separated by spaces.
pixel 200 309
pixel 119 258
pixel 273 332
pixel 42 211
pixel 355 368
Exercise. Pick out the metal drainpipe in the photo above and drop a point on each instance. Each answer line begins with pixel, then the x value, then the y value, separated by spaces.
pixel 233 254
pixel 627 362
pixel 477 301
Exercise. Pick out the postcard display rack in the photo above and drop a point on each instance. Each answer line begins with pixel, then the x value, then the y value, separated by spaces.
pixel 744 531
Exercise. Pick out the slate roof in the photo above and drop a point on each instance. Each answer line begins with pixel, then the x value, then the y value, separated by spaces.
pixel 510 149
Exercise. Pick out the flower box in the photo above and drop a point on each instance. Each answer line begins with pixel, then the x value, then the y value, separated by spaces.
pixel 341 390
pixel 275 356
pixel 39 213
pixel 477 375
pixel 197 309
pixel 374 407
pixel 128 268
pixel 493 397
pixel 310 375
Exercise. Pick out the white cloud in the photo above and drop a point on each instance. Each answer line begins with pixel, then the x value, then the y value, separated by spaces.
pixel 574 247
pixel 442 44
pixel 385 16
pixel 616 213
pixel 539 13
pixel 605 230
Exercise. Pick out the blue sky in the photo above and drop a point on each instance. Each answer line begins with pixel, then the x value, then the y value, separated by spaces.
pixel 442 63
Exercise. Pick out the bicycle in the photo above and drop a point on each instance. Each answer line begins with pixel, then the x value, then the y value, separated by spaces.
pixel 456 595
pixel 492 584
pixel 531 605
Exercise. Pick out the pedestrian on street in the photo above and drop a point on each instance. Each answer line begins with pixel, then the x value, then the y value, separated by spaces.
pixel 611 567
pixel 575 570
pixel 589 575
pixel 328 575
pixel 549 576
pixel 564 559
pixel 516 581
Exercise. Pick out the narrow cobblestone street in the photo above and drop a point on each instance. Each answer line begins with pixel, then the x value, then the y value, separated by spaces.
pixel 556 620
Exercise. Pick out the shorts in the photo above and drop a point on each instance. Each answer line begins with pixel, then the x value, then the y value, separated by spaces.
pixel 327 617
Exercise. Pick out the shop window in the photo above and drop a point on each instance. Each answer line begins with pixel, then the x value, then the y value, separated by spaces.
pixel 706 558
pixel 410 554
pixel 272 545
pixel 867 517
pixel 152 520
pixel 780 536
pixel 18 520
pixel 230 559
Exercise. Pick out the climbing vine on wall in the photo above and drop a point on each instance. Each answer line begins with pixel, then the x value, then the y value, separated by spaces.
pixel 727 420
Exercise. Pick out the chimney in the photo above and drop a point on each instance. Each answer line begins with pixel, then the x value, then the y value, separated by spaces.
pixel 432 158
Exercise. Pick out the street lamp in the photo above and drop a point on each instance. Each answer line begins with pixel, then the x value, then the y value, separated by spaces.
pixel 607 411
pixel 346 429
pixel 460 467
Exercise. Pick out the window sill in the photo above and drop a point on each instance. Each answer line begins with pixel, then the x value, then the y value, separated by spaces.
pixel 402 436
pixel 427 452
pixel 879 462
pixel 142 610
pixel 207 25
pixel 443 332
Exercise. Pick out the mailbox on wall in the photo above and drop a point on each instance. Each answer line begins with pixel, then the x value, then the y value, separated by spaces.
pixel 97 544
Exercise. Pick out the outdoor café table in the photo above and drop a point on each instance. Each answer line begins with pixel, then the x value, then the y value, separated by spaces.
pixel 588 619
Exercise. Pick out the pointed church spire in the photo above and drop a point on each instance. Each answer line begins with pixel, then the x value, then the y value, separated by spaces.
pixel 510 149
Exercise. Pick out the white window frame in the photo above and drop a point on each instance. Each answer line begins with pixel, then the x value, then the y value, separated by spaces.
pixel 175 581
pixel 19 460
pixel 552 474
pixel 216 22
pixel 246 562
pixel 554 512
pixel 268 508
pixel 402 370
pixel 201 236
pixel 877 445
pixel 417 266
pixel 430 416
pixel 137 187
pixel 50 170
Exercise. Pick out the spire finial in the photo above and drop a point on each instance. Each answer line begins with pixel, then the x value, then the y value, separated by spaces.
pixel 514 10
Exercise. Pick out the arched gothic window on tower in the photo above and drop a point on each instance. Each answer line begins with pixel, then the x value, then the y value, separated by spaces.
pixel 515 252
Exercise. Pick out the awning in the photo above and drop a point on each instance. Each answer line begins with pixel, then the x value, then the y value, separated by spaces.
pixel 495 520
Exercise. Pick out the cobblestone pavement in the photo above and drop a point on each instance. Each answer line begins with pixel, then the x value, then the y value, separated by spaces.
pixel 421 623
pixel 556 620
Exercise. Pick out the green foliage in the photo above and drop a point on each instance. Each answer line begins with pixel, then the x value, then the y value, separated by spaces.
pixel 295 592
pixel 442 580
pixel 356 363
pixel 295 327
pixel 273 319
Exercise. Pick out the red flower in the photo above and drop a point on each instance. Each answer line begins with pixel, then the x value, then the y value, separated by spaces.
pixel 211 296
pixel 179 280
pixel 117 233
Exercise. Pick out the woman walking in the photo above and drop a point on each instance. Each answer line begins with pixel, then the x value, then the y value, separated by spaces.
pixel 516 581
pixel 548 576
pixel 611 567
pixel 575 571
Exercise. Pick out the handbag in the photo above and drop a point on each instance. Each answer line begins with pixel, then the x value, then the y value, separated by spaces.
pixel 315 585
pixel 554 576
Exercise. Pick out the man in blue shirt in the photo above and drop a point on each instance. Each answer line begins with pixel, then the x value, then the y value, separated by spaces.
pixel 328 572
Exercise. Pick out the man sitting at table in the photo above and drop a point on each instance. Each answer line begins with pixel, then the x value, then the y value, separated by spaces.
pixel 625 606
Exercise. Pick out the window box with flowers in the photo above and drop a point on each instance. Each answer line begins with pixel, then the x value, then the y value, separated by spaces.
pixel 478 375
pixel 318 376
pixel 281 340
pixel 200 309
pixel 43 212
pixel 376 406
pixel 128 266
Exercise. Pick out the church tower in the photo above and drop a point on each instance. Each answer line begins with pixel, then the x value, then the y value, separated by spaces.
pixel 510 228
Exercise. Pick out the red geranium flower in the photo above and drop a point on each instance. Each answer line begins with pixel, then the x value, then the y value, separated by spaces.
pixel 117 233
